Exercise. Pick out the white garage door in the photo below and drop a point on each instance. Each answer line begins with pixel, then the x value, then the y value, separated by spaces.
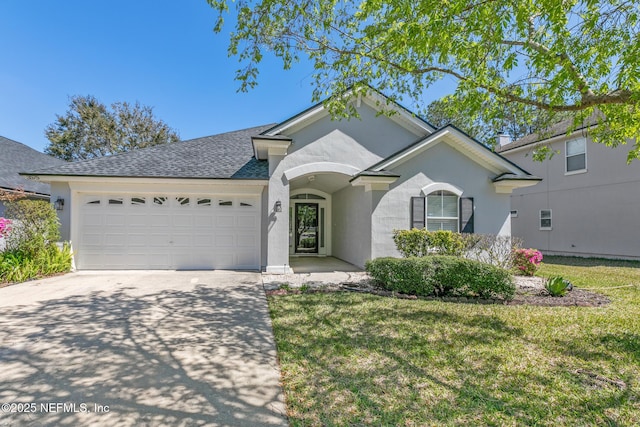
pixel 142 231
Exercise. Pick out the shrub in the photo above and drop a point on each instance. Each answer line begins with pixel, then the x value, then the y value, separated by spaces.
pixel 17 266
pixel 557 286
pixel 527 261
pixel 440 275
pixel 422 242
pixel 495 250
pixel 34 228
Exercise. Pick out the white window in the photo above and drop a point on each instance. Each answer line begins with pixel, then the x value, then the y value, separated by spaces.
pixel 442 211
pixel 576 155
pixel 514 214
pixel 545 219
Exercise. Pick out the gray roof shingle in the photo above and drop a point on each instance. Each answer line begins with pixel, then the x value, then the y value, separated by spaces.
pixel 16 157
pixel 223 156
pixel 552 131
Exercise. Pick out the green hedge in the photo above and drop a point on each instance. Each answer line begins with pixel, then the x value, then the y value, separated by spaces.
pixel 422 242
pixel 440 275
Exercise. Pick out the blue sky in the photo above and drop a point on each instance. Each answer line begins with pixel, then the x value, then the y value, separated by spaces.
pixel 161 53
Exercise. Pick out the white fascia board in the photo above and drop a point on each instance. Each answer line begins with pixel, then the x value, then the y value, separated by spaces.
pixel 160 185
pixel 400 115
pixel 375 100
pixel 313 114
pixel 263 148
pixel 460 142
pixel 374 182
pixel 507 186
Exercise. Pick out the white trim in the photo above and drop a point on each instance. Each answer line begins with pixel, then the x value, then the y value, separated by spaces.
pixel 135 186
pixel 320 167
pixel 540 227
pixel 459 141
pixel 263 148
pixel 441 186
pixel 508 185
pixel 326 204
pixel 375 100
pixel 371 183
pixel 150 180
pixel 566 156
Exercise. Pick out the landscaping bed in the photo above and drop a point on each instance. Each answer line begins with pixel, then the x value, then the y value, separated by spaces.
pixel 529 291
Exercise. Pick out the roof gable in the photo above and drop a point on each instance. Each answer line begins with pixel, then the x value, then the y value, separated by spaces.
pixel 460 141
pixel 379 102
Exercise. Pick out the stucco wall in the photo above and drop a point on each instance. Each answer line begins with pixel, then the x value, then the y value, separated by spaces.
pixel 61 190
pixel 440 163
pixel 358 143
pixel 593 213
pixel 351 225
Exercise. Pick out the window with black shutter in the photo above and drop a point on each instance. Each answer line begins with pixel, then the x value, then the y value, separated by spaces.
pixel 417 212
pixel 466 214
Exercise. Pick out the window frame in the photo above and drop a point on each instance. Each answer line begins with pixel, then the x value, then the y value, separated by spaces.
pixel 566 156
pixel 441 218
pixel 544 228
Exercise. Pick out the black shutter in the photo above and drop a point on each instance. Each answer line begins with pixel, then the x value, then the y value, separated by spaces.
pixel 466 214
pixel 417 212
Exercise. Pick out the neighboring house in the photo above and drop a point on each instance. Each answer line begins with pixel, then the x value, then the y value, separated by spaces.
pixel 16 157
pixel 588 203
pixel 308 186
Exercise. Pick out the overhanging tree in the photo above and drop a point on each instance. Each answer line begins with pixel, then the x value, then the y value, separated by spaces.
pixel 89 129
pixel 554 55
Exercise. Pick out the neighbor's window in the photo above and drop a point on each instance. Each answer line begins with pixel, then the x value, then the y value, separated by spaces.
pixel 545 219
pixel 442 211
pixel 576 155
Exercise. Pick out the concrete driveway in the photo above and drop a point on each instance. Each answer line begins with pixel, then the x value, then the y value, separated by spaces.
pixel 139 348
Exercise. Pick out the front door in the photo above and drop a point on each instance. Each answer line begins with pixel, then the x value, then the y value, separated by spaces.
pixel 306 228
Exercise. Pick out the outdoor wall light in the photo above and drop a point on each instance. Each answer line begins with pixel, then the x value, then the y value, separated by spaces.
pixel 278 206
pixel 59 204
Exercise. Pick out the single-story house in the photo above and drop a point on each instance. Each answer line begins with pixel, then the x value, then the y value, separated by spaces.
pixel 307 186
pixel 16 157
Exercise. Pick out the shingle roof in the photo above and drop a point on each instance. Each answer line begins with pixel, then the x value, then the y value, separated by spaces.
pixel 16 157
pixel 226 155
pixel 552 131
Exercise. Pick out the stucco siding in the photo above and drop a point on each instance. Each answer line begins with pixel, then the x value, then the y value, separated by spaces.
pixel 379 134
pixel 61 190
pixel 594 213
pixel 351 225
pixel 440 163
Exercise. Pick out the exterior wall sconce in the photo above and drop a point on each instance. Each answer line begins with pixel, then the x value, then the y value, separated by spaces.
pixel 278 206
pixel 59 204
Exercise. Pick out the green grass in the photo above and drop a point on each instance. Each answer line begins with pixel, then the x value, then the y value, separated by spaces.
pixel 353 359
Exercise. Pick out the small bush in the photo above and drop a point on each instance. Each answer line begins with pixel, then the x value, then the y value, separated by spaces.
pixel 557 286
pixel 440 275
pixel 422 242
pixel 495 250
pixel 34 227
pixel 527 261
pixel 17 266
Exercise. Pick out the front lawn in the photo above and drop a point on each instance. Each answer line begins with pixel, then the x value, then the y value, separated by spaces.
pixel 359 359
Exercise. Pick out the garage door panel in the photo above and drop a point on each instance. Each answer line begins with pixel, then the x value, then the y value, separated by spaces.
pixel 224 241
pixel 157 231
pixel 225 221
pixel 158 220
pixel 246 221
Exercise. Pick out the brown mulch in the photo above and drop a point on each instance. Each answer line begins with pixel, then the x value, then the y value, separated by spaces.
pixel 529 291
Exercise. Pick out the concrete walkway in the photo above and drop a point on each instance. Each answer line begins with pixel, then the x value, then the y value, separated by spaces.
pixel 139 349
